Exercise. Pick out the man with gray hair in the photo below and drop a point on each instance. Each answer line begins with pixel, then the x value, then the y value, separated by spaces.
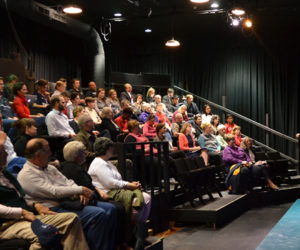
pixel 157 100
pixel 177 125
pixel 44 184
pixel 167 99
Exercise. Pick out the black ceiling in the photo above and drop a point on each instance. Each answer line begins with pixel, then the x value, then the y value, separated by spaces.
pixel 187 18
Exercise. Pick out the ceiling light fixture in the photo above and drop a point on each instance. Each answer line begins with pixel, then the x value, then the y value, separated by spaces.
pixel 172 43
pixel 148 30
pixel 214 5
pixel 235 22
pixel 199 1
pixel 238 12
pixel 118 14
pixel 248 23
pixel 72 9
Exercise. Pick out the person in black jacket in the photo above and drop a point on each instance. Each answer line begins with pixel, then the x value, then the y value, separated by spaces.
pixel 108 123
pixel 192 108
pixel 128 95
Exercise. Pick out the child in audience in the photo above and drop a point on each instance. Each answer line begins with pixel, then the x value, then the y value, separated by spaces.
pixel 236 131
pixel 230 124
pixel 206 115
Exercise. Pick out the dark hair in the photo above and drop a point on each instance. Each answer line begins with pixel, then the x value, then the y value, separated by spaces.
pixel 54 99
pixel 229 115
pixel 175 97
pixel 123 102
pixel 101 145
pixel 42 83
pixel 17 87
pixel 12 77
pixel 132 124
pixel 20 125
pixel 31 150
pixel 66 94
pixel 127 111
pixel 204 108
pixel 213 118
pixel 1 78
pixel 73 95
pixel 150 116
pixel 159 126
pixel 139 95
pixel 74 80
pixel 89 99
pixel 62 79
pixel 197 116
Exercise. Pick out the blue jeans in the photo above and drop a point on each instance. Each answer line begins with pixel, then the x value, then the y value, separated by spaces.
pixel 99 224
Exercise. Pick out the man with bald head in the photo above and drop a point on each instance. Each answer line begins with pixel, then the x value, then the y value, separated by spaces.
pixel 92 90
pixel 16 217
pixel 44 184
pixel 177 125
pixel 128 95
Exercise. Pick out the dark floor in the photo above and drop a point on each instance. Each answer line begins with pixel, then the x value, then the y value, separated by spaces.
pixel 245 232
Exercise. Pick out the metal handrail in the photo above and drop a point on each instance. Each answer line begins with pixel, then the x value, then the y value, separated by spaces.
pixel 270 130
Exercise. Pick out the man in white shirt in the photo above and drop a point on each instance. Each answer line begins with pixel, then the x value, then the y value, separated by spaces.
pixel 57 122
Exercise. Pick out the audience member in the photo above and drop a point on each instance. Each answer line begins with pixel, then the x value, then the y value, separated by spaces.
pixel 192 108
pixel 44 184
pixel 250 172
pixel 149 128
pixel 187 143
pixel 101 100
pixel 90 109
pixel 122 121
pixel 43 96
pixel 13 208
pixel 124 105
pixel 161 116
pixel 137 106
pixel 157 100
pixel 221 136
pixel 57 122
pixel 109 124
pixel 230 124
pixel 215 122
pixel 113 102
pixel 76 88
pixel 174 104
pixel 146 107
pixel 177 125
pixel 66 95
pixel 246 145
pixel 20 104
pixel 127 95
pixel 167 99
pixel 196 124
pixel 92 91
pixel 77 112
pixel 206 114
pixel 182 109
pixel 150 95
pixel 60 87
pixel 8 92
pixel 236 131
pixel 75 99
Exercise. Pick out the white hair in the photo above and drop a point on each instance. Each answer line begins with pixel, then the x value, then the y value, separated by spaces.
pixel 72 149
pixel 145 106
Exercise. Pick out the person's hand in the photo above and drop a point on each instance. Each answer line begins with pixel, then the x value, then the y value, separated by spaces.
pixel 28 215
pixel 2 137
pixel 103 195
pixel 87 192
pixel 40 115
pixel 217 151
pixel 244 162
pixel 84 199
pixel 95 132
pixel 42 210
pixel 174 149
pixel 72 135
pixel 133 185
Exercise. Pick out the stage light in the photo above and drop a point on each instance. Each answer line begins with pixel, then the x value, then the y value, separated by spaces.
pixel 118 14
pixel 238 12
pixel 72 9
pixel 235 22
pixel 172 43
pixel 199 1
pixel 248 23
pixel 214 5
pixel 148 30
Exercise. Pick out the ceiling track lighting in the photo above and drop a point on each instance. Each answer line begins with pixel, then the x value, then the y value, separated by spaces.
pixel 238 11
pixel 199 1
pixel 72 9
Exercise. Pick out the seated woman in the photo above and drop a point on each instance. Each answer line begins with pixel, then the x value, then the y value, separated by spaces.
pixel 72 168
pixel 187 143
pixel 161 116
pixel 221 136
pixel 90 109
pixel 122 120
pixel 196 123
pixel 146 107
pixel 250 171
pixel 236 131
pixel 109 124
pixel 26 130
pixel 113 101
pixel 60 87
pixel 215 122
pixel 77 112
pixel 209 141
pixel 183 110
pixel 137 106
pixel 150 95
pixel 206 114
pixel 100 100
pixel 149 128
pixel 107 177
pixel 43 96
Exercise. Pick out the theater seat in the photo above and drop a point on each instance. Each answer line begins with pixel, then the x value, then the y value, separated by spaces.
pixel 14 244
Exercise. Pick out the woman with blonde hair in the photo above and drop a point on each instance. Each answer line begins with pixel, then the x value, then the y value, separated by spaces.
pixel 183 110
pixel 236 131
pixel 150 95
pixel 113 101
pixel 187 143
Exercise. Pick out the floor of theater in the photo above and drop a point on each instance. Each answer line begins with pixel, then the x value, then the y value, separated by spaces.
pixel 245 232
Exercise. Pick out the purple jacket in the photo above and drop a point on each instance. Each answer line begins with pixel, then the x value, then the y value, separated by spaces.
pixel 143 117
pixel 234 155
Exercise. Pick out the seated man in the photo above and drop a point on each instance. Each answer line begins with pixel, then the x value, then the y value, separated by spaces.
pixel 192 108
pixel 127 95
pixel 174 104
pixel 177 125
pixel 57 122
pixel 44 184
pixel 15 211
pixel 92 90
pixel 76 88
pixel 75 100
pixel 122 120
pixel 167 99
pixel 43 96
pixel 157 100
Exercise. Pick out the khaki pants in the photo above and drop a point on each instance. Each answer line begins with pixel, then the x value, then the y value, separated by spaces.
pixel 68 225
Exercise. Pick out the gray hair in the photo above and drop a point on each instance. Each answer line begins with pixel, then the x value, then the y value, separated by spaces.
pixel 72 149
pixel 105 112
pixel 145 106
pixel 156 96
pixel 83 119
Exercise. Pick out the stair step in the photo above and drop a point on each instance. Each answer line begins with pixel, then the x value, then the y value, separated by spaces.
pixel 157 243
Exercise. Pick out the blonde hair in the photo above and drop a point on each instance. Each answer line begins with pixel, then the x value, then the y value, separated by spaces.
pixel 184 126
pixel 189 96
pixel 183 107
pixel 205 125
pixel 133 124
pixel 235 128
pixel 243 143
pixel 150 90
pixel 72 149
pixel 105 112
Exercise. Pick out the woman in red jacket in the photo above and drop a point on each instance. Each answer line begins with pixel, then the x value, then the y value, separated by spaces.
pixel 187 143
pixel 20 104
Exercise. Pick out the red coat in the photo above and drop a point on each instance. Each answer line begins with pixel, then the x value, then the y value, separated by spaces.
pixel 229 127
pixel 184 143
pixel 122 123
pixel 162 118
pixel 20 106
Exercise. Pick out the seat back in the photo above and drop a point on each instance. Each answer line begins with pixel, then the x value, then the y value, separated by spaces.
pixel 274 155
pixel 260 156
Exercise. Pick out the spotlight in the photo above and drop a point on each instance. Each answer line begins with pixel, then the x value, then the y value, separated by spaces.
pixel 235 22
pixel 148 30
pixel 72 9
pixel 199 1
pixel 117 14
pixel 214 5
pixel 248 23
pixel 238 12
pixel 172 43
